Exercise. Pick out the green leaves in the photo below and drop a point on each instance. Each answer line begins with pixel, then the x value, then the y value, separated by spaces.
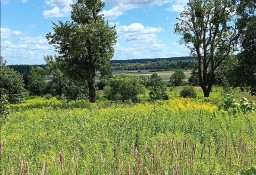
pixel 86 44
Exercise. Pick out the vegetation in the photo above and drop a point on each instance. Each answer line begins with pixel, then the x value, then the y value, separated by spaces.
pixel 177 77
pixel 178 136
pixel 123 87
pixel 37 81
pixel 188 92
pixel 11 83
pixel 2 61
pixel 208 30
pixel 81 60
pixel 157 88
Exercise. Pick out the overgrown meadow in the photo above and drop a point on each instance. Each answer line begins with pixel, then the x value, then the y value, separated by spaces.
pixel 178 136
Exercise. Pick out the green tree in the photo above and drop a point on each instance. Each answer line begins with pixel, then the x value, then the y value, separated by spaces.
pixel 2 61
pixel 208 29
pixel 4 110
pixel 37 81
pixel 85 44
pixel 157 88
pixel 124 87
pixel 57 78
pixel 245 69
pixel 177 77
pixel 11 84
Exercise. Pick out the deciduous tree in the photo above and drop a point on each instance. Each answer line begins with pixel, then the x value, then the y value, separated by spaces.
pixel 208 30
pixel 85 44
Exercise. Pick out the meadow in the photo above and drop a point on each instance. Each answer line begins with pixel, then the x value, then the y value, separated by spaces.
pixel 177 136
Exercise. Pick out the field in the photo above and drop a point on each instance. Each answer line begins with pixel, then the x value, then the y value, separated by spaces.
pixel 178 136
pixel 165 75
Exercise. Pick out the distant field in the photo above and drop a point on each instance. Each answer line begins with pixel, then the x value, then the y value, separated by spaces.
pixel 165 75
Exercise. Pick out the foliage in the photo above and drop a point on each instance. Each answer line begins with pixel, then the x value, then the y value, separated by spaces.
pixel 124 87
pixel 188 92
pixel 157 88
pixel 177 77
pixel 180 136
pixel 37 81
pixel 85 44
pixel 244 71
pixel 57 79
pixel 75 90
pixel 4 109
pixel 208 29
pixel 11 83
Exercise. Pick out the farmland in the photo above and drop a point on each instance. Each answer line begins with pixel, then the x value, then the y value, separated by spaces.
pixel 177 136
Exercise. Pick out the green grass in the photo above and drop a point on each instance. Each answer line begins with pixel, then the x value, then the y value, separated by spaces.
pixel 179 136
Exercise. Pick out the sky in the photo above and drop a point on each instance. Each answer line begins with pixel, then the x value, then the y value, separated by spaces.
pixel 145 28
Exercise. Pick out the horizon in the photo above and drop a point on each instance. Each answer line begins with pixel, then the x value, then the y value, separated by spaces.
pixel 144 29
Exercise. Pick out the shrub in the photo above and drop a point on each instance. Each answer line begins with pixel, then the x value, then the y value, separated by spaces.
pixel 157 87
pixel 188 92
pixel 177 77
pixel 11 83
pixel 124 87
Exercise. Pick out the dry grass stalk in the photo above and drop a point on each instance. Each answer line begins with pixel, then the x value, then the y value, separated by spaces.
pixel 62 159
pixel 75 160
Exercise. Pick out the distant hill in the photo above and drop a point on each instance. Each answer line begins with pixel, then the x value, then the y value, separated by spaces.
pixel 145 60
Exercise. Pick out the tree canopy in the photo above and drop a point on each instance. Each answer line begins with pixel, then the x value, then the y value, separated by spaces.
pixel 208 29
pixel 85 44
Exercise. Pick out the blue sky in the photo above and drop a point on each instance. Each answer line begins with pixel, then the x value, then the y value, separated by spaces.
pixel 145 28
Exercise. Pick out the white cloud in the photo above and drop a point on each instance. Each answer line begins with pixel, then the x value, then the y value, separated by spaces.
pixel 19 48
pixel 4 2
pixel 24 1
pixel 7 33
pixel 120 7
pixel 59 8
pixel 178 6
pixel 138 41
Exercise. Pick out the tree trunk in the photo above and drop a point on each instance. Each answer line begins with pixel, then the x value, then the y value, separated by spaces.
pixel 206 92
pixel 92 91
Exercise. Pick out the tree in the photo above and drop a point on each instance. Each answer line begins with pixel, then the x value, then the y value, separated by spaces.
pixel 245 69
pixel 37 81
pixel 124 87
pixel 177 77
pixel 157 87
pixel 11 85
pixel 208 30
pixel 2 61
pixel 57 78
pixel 85 44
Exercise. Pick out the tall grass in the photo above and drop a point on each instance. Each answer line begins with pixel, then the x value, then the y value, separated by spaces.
pixel 179 136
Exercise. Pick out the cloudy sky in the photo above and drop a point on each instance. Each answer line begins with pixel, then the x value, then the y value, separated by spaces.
pixel 145 28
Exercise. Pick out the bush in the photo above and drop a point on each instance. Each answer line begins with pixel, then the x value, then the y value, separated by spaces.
pixel 177 77
pixel 188 92
pixel 157 87
pixel 123 87
pixel 11 83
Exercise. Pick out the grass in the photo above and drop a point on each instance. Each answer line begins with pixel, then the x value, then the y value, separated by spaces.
pixel 178 136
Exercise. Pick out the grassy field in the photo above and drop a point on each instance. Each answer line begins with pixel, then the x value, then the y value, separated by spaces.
pixel 178 136
pixel 165 75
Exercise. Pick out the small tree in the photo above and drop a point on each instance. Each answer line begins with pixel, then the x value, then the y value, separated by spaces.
pixel 208 29
pixel 11 83
pixel 85 45
pixel 37 81
pixel 177 77
pixel 124 87
pixel 157 88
